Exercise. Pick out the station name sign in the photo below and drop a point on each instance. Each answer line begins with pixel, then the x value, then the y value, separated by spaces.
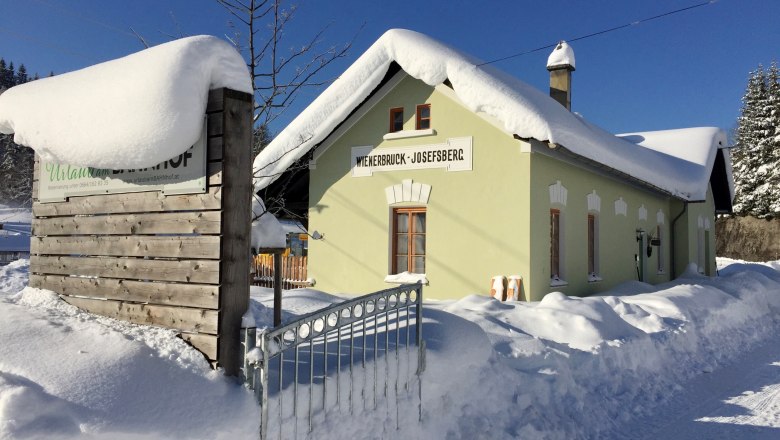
pixel 454 155
pixel 184 174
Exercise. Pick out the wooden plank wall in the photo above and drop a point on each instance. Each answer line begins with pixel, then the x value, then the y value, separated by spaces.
pixel 178 261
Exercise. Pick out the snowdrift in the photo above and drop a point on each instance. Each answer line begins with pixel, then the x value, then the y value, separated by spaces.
pixel 561 368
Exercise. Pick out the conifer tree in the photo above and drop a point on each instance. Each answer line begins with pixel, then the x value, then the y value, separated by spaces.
pixel 10 75
pixel 21 75
pixel 3 75
pixel 16 161
pixel 756 158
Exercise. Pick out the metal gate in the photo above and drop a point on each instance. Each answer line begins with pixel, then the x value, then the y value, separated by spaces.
pixel 362 353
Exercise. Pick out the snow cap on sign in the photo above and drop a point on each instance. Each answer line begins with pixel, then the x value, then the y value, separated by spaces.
pixel 132 112
pixel 562 55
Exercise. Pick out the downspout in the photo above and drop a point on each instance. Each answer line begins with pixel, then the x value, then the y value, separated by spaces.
pixel 671 239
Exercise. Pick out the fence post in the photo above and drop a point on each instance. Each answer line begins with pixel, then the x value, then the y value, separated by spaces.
pixel 249 342
pixel 277 289
pixel 263 385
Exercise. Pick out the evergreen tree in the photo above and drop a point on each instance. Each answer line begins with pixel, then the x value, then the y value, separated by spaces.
pixel 16 161
pixel 3 75
pixel 10 75
pixel 756 158
pixel 21 75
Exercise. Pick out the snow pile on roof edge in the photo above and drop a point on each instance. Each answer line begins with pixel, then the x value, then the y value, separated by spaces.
pixel 132 112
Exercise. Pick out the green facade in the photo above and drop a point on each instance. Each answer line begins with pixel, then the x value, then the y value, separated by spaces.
pixel 491 220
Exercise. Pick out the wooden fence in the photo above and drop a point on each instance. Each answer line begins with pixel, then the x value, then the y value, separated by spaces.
pixel 293 271
pixel 175 261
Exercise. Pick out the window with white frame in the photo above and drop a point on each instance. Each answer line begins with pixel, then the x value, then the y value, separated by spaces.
pixel 558 198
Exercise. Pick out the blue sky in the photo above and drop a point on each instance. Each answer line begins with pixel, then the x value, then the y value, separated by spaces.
pixel 688 69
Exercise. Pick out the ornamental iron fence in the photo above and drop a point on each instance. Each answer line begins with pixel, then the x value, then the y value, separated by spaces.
pixel 355 356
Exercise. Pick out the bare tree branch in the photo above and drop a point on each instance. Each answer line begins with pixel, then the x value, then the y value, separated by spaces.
pixel 279 74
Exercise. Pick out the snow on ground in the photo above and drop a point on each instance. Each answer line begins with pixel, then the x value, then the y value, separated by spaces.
pixel 67 373
pixel 725 262
pixel 15 215
pixel 629 363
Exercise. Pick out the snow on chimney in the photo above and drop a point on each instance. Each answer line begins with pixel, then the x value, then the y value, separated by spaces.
pixel 560 63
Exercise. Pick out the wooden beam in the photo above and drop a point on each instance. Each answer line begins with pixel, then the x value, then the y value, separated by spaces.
pixel 187 247
pixel 143 202
pixel 206 344
pixel 186 319
pixel 162 293
pixel 190 271
pixel 236 214
pixel 204 222
pixel 277 289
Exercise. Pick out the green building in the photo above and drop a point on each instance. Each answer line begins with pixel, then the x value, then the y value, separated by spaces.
pixel 424 164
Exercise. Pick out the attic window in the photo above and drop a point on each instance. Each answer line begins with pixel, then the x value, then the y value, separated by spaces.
pixel 423 116
pixel 396 119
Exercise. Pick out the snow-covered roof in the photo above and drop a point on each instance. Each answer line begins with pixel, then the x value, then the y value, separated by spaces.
pixel 132 112
pixel 562 55
pixel 523 110
pixel 696 145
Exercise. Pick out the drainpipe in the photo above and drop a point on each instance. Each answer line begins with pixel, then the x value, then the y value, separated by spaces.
pixel 671 239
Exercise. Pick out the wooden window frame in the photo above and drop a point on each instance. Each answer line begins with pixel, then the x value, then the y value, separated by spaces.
pixel 555 243
pixel 660 250
pixel 592 265
pixel 393 112
pixel 419 118
pixel 410 233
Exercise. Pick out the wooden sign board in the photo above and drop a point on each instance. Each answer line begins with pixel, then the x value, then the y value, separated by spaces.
pixel 152 257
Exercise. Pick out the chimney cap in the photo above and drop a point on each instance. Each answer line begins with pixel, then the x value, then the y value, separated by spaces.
pixel 562 57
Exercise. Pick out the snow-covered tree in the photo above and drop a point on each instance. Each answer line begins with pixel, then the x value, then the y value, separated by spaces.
pixel 757 153
pixel 16 162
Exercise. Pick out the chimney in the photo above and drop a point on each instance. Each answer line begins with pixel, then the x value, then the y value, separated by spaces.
pixel 560 63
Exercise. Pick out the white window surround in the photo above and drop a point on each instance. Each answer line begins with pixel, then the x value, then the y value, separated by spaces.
pixel 559 280
pixel 660 218
pixel 642 212
pixel 403 134
pixel 407 191
pixel 621 207
pixel 594 202
pixel 558 193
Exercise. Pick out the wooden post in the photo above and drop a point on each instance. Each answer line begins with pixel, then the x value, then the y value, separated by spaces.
pixel 236 215
pixel 277 289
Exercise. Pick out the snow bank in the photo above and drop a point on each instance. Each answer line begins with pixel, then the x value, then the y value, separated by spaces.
pixel 66 373
pixel 132 112
pixel 523 111
pixel 560 368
